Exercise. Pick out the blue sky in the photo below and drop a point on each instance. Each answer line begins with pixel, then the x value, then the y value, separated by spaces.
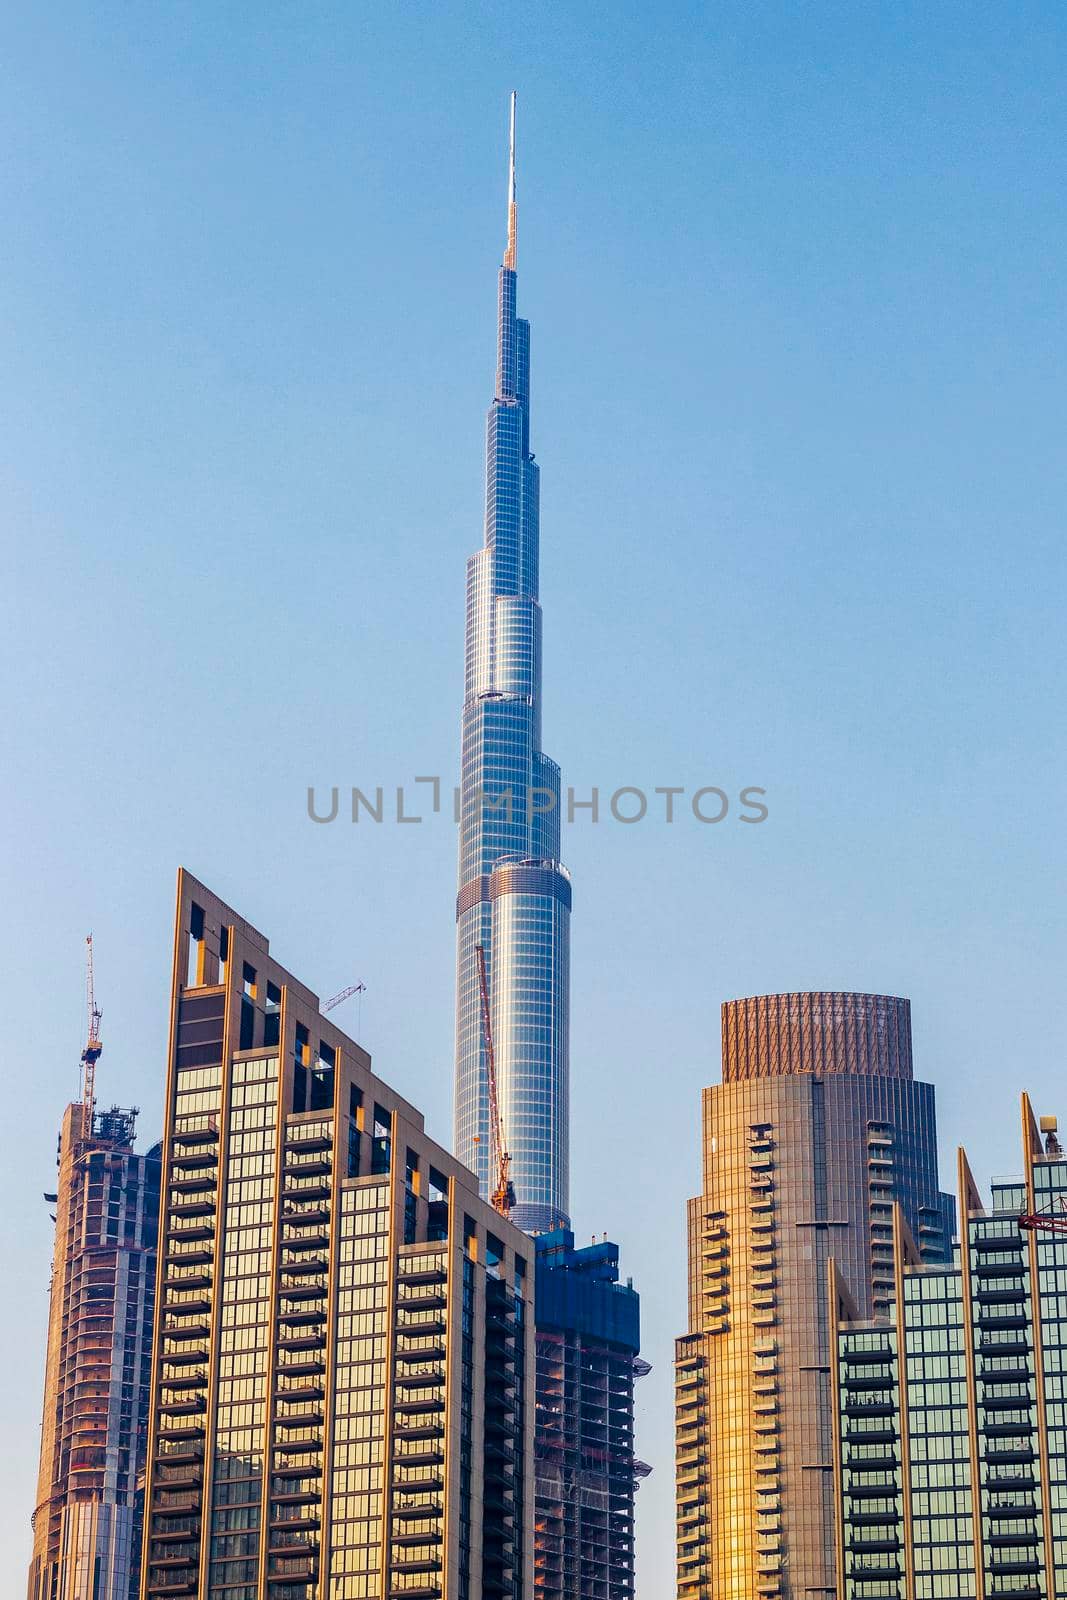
pixel 795 276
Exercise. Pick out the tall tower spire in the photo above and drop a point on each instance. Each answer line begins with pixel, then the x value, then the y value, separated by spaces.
pixel 513 211
pixel 514 896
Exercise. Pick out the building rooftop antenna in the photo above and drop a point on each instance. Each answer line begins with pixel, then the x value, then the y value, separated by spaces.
pixel 513 210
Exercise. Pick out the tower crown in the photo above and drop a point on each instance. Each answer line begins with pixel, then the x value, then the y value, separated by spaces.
pixel 784 1035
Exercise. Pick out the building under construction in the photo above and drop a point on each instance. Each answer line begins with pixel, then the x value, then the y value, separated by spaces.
pixel 87 1523
pixel 587 1339
pixel 88 1519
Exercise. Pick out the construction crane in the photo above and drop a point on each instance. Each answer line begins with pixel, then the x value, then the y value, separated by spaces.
pixel 1047 1221
pixel 346 994
pixel 1044 1221
pixel 93 1047
pixel 503 1196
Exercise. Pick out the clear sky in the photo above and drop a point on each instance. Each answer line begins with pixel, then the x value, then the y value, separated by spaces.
pixel 795 275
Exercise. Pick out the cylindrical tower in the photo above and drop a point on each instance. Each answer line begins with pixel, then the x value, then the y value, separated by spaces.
pixel 817 1128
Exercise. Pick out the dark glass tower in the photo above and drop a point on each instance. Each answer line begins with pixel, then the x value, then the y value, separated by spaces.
pixel 950 1448
pixel 514 895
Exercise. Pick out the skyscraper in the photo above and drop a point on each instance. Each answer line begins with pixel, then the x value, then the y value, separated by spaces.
pixel 514 905
pixel 514 894
pixel 87 1523
pixel 342 1400
pixel 585 1471
pixel 951 1408
pixel 816 1130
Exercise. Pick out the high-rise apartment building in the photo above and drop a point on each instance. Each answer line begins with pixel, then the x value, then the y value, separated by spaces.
pixel 588 1338
pixel 951 1407
pixel 514 895
pixel 513 912
pixel 87 1521
pixel 342 1399
pixel 816 1130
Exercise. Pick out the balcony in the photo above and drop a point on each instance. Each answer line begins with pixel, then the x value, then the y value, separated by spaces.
pixel 194 1161
pixel 316 1168
pixel 293 1525
pixel 186 1379
pixel 302 1317
pixel 289 1473
pixel 198 1229
pixel 194 1207
pixel 187 1330
pixel 297 1572
pixel 303 1419
pixel 311 1366
pixel 202 1258
pixel 306 1214
pixel 304 1266
pixel 428 1326
pixel 207 1134
pixel 186 1433
pixel 185 1357
pixel 420 1297
pixel 188 1529
pixel 300 1391
pixel 415 1538
pixel 316 1142
pixel 435 1274
pixel 319 1240
pixel 192 1280
pixel 196 1183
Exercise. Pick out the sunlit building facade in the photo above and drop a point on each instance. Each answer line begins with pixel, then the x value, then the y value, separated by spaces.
pixel 951 1408
pixel 816 1130
pixel 514 895
pixel 87 1521
pixel 342 1399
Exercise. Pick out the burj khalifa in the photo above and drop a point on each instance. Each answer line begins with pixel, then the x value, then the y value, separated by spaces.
pixel 514 896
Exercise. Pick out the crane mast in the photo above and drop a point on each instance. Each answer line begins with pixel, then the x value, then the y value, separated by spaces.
pixel 93 1047
pixel 503 1196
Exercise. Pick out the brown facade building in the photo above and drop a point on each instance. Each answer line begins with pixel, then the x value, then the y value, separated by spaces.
pixel 816 1130
pixel 342 1398
pixel 87 1521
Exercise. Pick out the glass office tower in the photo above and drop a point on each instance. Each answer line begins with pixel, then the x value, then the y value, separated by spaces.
pixel 951 1409
pixel 817 1128
pixel 342 1400
pixel 514 895
pixel 87 1523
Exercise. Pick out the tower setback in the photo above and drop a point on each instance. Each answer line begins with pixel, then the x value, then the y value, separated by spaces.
pixel 514 894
